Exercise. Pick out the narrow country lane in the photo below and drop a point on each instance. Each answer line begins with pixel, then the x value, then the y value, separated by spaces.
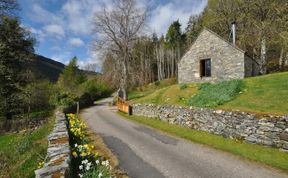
pixel 146 153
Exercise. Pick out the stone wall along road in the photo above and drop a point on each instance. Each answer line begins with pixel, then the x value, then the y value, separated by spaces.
pixel 264 130
pixel 58 153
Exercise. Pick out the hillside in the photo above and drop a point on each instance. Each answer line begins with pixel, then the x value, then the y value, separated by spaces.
pixel 45 68
pixel 263 95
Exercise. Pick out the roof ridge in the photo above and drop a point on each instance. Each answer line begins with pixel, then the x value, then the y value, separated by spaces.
pixel 223 39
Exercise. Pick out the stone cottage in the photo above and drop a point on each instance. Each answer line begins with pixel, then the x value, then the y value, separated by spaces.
pixel 213 59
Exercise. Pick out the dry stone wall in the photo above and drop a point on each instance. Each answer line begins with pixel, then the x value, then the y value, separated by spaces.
pixel 265 130
pixel 58 153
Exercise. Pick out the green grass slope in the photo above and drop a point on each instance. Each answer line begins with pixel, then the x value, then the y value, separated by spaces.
pixel 264 95
pixel 163 92
pixel 20 153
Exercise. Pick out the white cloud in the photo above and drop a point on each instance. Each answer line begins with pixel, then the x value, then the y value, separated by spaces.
pixel 164 14
pixel 80 14
pixel 41 15
pixel 55 30
pixel 76 42
pixel 38 33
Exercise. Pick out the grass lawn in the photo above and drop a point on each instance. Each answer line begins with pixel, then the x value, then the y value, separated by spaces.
pixel 173 95
pixel 270 156
pixel 263 95
pixel 150 88
pixel 21 153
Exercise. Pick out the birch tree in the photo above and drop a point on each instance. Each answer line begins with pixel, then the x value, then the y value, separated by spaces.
pixel 117 29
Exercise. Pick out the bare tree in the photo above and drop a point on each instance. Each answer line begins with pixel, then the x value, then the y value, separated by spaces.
pixel 90 67
pixel 117 29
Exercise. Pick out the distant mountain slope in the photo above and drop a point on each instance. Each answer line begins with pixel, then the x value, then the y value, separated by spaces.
pixel 46 68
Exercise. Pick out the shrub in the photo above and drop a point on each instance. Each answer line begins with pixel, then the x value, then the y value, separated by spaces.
pixel 157 83
pixel 95 88
pixel 183 86
pixel 210 95
pixel 65 101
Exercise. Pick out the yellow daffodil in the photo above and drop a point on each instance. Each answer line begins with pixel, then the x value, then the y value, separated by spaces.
pixel 74 154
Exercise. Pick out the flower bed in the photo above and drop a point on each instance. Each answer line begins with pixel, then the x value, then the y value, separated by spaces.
pixel 86 162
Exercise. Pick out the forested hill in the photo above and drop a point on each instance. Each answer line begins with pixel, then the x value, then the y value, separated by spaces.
pixel 46 68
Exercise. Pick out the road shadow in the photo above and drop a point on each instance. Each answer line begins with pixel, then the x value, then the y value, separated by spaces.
pixel 160 137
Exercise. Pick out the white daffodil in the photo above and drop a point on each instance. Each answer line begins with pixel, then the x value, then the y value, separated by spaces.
pixel 76 145
pixel 97 161
pixel 89 164
pixel 81 167
pixel 100 175
pixel 84 161
pixel 106 163
pixel 80 175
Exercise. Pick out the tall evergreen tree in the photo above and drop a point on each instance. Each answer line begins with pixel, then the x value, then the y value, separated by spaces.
pixel 16 45
pixel 71 78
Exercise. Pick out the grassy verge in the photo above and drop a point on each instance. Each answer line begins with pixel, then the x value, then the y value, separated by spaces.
pixel 269 156
pixel 20 153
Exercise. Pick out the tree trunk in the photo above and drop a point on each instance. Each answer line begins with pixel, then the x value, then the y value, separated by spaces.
pixel 281 61
pixel 124 78
pixel 263 60
pixel 29 109
pixel 8 122
pixel 286 60
pixel 78 107
pixel 160 63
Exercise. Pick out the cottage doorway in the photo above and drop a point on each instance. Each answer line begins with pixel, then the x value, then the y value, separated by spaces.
pixel 205 68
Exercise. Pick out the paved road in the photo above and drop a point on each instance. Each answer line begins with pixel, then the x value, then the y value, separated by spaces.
pixel 144 152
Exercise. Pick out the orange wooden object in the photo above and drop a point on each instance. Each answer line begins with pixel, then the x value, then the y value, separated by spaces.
pixel 123 106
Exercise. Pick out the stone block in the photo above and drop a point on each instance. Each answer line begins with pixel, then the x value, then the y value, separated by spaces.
pixel 285 146
pixel 251 139
pixel 284 136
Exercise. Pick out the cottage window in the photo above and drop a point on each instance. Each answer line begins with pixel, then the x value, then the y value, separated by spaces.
pixel 205 68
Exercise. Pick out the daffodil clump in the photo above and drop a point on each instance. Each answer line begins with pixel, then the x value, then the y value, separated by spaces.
pixel 41 164
pixel 87 162
pixel 76 126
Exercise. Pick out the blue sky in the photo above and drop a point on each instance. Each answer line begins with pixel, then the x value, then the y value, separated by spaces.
pixel 63 27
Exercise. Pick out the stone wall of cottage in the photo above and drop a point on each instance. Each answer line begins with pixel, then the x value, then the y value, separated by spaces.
pixel 264 130
pixel 58 153
pixel 227 61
